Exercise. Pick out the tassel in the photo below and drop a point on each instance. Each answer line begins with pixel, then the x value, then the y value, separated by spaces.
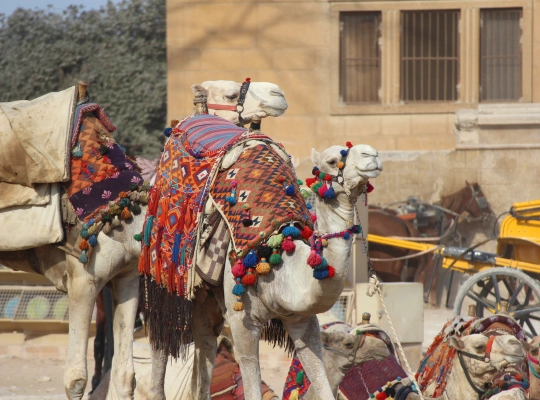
pixel 316 186
pixel 275 258
pixel 116 222
pixel 306 233
pixel 331 271
pixel 310 181
pixel 124 202
pixel 288 245
pixel 263 267
pixel 232 198
pixel 322 190
pixel 263 251
pixel 238 306
pixel 251 259
pixel 137 237
pixel 107 228
pixel 313 216
pixel 346 236
pixel 176 248
pixel 147 229
pixel 136 209
pixel 135 195
pixel 320 275
pixel 246 220
pixel 238 270
pixel 275 241
pixel 330 193
pixel 84 245
pixel 83 257
pixel 92 241
pixel 238 289
pixel 294 395
pixel 250 278
pixel 143 198
pixel 304 193
pixel 93 230
pixel 126 214
pixel 291 230
pixel 85 234
pixel 314 259
pixel 77 152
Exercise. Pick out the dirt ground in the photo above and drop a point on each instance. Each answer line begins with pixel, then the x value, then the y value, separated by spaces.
pixel 42 379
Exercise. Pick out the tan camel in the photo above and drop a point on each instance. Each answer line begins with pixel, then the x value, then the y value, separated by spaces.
pixel 533 354
pixel 114 262
pixel 290 293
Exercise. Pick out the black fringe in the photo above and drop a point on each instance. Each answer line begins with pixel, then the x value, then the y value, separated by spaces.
pixel 167 316
pixel 274 333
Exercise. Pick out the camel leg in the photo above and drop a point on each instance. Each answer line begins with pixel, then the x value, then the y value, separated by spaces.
pixel 246 335
pixel 125 290
pixel 207 325
pixel 307 341
pixel 82 292
pixel 99 342
pixel 159 367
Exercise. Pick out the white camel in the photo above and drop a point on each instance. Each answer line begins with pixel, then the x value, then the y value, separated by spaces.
pixel 290 293
pixel 114 262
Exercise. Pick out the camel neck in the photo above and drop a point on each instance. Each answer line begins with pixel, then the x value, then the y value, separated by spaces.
pixel 334 215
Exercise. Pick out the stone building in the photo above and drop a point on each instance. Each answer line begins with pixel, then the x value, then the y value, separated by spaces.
pixel 446 90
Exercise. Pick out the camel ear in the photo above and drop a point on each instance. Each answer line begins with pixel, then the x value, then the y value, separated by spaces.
pixel 325 338
pixel 526 345
pixel 315 157
pixel 457 343
pixel 199 89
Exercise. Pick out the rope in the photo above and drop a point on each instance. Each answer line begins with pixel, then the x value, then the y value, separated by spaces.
pixel 405 257
pixel 374 287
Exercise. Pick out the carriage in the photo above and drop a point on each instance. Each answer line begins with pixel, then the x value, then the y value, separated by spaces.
pixel 510 275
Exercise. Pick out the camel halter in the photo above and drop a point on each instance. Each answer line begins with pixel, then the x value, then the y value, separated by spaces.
pixel 358 343
pixel 486 358
pixel 239 106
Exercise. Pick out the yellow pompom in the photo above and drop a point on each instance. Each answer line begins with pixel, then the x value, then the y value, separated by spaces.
pixel 238 306
pixel 294 395
pixel 263 267
pixel 340 164
pixel 324 242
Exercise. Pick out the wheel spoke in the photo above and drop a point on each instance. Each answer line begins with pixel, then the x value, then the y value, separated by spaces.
pixel 482 301
pixel 515 294
pixel 495 283
pixel 531 327
pixel 526 311
pixel 534 317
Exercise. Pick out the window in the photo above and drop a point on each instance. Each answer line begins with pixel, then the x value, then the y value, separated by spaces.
pixel 360 66
pixel 429 55
pixel 500 54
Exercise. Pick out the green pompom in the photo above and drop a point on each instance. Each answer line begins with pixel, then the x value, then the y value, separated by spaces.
pixel 299 181
pixel 135 209
pixel 300 377
pixel 138 237
pixel 85 234
pixel 133 186
pixel 275 241
pixel 304 193
pixel 275 259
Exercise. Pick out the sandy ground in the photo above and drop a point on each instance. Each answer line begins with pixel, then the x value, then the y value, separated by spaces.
pixel 42 379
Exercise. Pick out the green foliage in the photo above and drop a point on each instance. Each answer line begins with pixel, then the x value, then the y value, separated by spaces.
pixel 120 50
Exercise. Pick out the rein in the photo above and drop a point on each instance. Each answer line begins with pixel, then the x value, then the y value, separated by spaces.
pixel 239 106
pixel 534 361
pixel 485 359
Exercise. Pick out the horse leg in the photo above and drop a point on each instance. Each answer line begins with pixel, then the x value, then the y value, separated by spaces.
pixel 99 341
pixel 159 367
pixel 207 325
pixel 307 341
pixel 246 334
pixel 125 288
pixel 82 292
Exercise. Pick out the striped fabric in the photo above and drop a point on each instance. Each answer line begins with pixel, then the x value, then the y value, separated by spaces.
pixel 208 133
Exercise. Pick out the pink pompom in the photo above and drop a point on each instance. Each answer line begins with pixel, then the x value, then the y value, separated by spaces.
pixel 239 270
pixel 314 259
pixel 288 244
pixel 331 271
pixel 322 189
pixel 313 217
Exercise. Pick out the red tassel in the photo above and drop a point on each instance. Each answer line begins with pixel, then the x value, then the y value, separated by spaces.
pixel 349 144
pixel 306 232
pixel 314 259
pixel 84 245
pixel 331 271
pixel 238 270
pixel 369 187
pixel 250 278
pixel 313 217
pixel 288 244
pixel 328 178
pixel 310 181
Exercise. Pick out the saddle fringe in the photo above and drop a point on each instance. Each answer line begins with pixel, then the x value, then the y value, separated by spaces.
pixel 274 333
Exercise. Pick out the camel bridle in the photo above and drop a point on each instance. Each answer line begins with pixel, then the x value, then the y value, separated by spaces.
pixel 486 358
pixel 358 343
pixel 239 106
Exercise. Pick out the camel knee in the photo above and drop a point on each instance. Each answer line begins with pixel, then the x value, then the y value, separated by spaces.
pixel 123 383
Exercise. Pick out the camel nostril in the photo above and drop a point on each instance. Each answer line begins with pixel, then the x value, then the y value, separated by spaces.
pixel 276 93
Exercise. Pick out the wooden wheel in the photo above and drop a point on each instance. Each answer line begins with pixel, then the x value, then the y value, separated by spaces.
pixel 488 288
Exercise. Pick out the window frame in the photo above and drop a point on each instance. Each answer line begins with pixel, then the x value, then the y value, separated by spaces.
pixel 469 55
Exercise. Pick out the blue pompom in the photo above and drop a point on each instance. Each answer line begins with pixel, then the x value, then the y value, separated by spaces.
pixel 346 236
pixel 322 266
pixel 292 231
pixel 329 193
pixel 167 132
pixel 92 241
pixel 322 274
pixel 344 153
pixel 289 190
pixel 309 206
pixel 77 153
pixel 85 234
pixel 83 257
pixel 85 226
pixel 231 200
pixel 251 259
pixel 238 289
pixel 91 222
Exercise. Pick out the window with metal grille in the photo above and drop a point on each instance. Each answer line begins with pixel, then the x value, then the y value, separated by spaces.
pixel 429 55
pixel 500 54
pixel 360 59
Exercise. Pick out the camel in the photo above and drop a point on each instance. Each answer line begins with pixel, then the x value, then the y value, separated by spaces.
pixel 289 294
pixel 534 368
pixel 114 262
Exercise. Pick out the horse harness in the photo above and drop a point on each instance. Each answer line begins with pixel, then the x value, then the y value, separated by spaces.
pixel 486 358
pixel 239 106
pixel 531 361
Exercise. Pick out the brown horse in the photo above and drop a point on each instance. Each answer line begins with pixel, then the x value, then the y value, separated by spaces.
pixel 425 221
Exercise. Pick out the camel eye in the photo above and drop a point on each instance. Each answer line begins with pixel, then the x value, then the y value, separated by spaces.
pixel 231 96
pixel 349 345
pixel 480 348
pixel 332 162
pixel 534 351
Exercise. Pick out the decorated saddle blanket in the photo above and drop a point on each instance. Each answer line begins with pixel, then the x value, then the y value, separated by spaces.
pixel 361 380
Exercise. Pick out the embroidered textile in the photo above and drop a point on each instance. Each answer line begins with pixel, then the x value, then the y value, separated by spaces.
pixel 262 176
pixel 100 169
pixel 97 111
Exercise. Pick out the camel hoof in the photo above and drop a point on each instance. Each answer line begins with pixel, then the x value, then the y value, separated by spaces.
pixel 75 391
pixel 152 395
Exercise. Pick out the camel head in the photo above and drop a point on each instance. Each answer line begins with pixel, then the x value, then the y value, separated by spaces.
pixel 263 99
pixel 361 164
pixel 533 352
pixel 505 349
pixel 341 347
